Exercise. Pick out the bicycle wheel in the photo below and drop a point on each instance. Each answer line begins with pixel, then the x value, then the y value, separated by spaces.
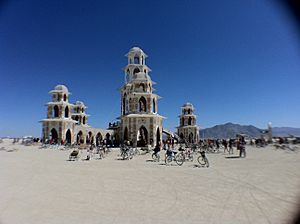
pixel 201 161
pixel 179 159
pixel 154 157
pixel 130 155
pixel 137 151
pixel 125 155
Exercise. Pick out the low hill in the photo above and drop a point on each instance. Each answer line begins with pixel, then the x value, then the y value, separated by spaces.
pixel 230 130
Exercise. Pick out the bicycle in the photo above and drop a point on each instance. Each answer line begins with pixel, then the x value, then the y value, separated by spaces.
pixel 101 151
pixel 126 152
pixel 155 157
pixel 174 156
pixel 202 159
pixel 136 151
pixel 188 155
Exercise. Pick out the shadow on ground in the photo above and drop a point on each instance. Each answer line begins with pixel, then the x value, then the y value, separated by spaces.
pixel 232 157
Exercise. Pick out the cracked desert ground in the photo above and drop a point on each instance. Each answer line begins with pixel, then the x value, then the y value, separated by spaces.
pixel 42 186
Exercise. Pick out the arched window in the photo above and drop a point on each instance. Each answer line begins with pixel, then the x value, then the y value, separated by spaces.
pixel 142 104
pixel 65 97
pixel 55 111
pixel 182 121
pixel 154 105
pixel 84 120
pixel 142 60
pixel 128 71
pixel 136 60
pixel 130 105
pixel 190 121
pixel 76 118
pixel 130 61
pixel 67 111
pixel 142 87
pixel 124 104
pixel 189 111
pixel 136 70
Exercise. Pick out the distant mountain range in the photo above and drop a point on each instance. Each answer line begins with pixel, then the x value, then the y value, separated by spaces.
pixel 230 130
pixel 286 131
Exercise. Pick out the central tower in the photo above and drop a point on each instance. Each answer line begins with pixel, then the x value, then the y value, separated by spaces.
pixel 140 122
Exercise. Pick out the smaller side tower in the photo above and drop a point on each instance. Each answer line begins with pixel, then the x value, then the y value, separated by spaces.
pixel 79 114
pixel 58 125
pixel 188 131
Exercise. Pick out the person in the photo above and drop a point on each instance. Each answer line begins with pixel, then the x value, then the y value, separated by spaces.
pixel 169 151
pixel 242 147
pixel 89 151
pixel 217 143
pixel 156 149
pixel 230 146
pixel 224 142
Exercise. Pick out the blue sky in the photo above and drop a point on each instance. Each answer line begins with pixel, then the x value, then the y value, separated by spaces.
pixel 236 61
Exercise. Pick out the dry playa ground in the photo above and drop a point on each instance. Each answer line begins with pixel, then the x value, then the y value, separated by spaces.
pixel 42 186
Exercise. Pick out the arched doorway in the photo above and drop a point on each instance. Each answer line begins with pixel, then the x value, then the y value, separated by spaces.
pixel 54 136
pixel 79 138
pixel 125 134
pixel 157 136
pixel 55 111
pixel 107 138
pixel 98 138
pixel 67 111
pixel 142 104
pixel 142 137
pixel 191 138
pixel 68 137
pixel 89 138
pixel 181 136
